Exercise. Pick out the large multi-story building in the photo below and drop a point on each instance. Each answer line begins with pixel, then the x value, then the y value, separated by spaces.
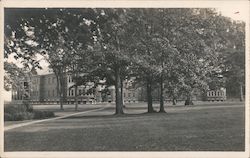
pixel 43 89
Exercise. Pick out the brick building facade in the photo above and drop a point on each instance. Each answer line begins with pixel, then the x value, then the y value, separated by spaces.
pixel 43 89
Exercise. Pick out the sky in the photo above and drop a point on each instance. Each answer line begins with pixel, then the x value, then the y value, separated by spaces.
pixel 236 13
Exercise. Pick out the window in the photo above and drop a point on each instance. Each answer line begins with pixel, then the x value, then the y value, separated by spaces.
pixel 133 94
pixel 25 85
pixel 53 80
pixel 72 92
pixel 69 92
pixel 69 78
pixel 80 91
pixel 128 94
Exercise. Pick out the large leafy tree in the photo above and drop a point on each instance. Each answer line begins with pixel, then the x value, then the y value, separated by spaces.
pixel 51 33
pixel 181 49
pixel 229 49
pixel 193 35
pixel 166 34
pixel 86 71
pixel 143 30
pixel 111 34
pixel 233 58
pixel 13 75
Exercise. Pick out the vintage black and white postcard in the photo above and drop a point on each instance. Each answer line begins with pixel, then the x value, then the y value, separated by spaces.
pixel 124 78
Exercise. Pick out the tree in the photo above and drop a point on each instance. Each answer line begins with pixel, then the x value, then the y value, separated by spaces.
pixel 193 34
pixel 85 71
pixel 112 39
pixel 164 34
pixel 143 30
pixel 229 46
pixel 12 76
pixel 233 59
pixel 51 33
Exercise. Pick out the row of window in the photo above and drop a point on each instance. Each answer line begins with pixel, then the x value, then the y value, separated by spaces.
pixel 35 88
pixel 70 79
pixel 50 80
pixel 214 93
pixel 72 92
pixel 51 93
pixel 35 80
pixel 17 96
pixel 129 95
pixel 34 93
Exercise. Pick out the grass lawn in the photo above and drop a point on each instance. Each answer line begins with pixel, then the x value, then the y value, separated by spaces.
pixel 196 128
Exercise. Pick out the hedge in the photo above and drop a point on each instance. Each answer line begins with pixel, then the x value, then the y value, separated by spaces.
pixel 20 112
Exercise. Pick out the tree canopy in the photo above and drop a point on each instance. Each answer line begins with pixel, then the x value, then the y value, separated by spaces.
pixel 170 48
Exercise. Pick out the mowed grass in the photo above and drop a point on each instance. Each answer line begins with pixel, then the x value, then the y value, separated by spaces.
pixel 196 128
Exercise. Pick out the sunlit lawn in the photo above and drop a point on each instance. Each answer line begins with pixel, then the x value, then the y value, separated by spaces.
pixel 196 128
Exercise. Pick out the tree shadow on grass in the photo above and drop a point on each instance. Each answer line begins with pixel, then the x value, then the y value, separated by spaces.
pixel 125 115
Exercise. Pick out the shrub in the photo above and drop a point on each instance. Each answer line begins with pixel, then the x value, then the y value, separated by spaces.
pixel 43 114
pixel 20 112
pixel 14 108
pixel 8 117
pixel 18 116
pixel 12 112
pixel 11 109
pixel 22 116
pixel 28 106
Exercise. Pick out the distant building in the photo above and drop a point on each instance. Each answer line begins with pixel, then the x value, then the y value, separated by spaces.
pixel 217 95
pixel 42 89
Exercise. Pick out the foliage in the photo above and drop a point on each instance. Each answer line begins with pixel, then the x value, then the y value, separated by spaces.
pixel 19 116
pixel 50 33
pixel 168 48
pixel 43 114
pixel 19 112
pixel 12 76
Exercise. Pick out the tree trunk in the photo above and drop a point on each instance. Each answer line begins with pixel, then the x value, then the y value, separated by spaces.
pixel 241 93
pixel 174 101
pixel 28 106
pixel 61 102
pixel 64 87
pixel 149 96
pixel 59 91
pixel 76 98
pixel 161 95
pixel 189 100
pixel 122 98
pixel 118 103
